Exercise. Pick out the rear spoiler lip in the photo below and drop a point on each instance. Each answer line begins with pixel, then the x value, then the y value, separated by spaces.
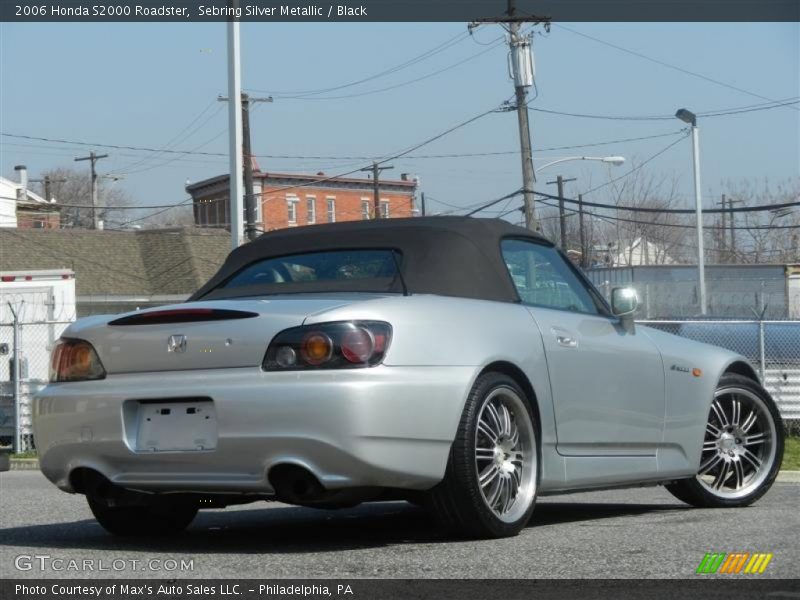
pixel 182 315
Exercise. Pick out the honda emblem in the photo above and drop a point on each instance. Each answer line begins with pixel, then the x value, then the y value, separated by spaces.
pixel 176 344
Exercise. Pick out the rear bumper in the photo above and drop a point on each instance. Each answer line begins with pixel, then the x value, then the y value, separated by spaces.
pixel 385 427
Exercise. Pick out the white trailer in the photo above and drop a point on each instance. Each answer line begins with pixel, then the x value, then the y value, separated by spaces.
pixel 35 308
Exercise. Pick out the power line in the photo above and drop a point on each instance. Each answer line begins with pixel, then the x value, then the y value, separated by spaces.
pixel 319 157
pixel 675 211
pixel 340 175
pixel 718 113
pixel 493 202
pixel 398 154
pixel 637 167
pixel 424 56
pixel 183 135
pixel 664 224
pixel 666 64
pixel 633 170
pixel 397 85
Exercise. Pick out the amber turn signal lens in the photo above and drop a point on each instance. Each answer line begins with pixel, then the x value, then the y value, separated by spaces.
pixel 317 348
pixel 697 372
pixel 75 360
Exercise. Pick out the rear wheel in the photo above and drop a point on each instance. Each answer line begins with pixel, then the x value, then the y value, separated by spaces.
pixel 742 448
pixel 489 488
pixel 164 518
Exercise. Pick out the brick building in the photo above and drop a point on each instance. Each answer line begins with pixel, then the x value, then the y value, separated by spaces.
pixel 290 200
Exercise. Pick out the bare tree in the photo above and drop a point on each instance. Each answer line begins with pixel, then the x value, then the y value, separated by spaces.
pixel 72 189
pixel 644 237
pixel 769 236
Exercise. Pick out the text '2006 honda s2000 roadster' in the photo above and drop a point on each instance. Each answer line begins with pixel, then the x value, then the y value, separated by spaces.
pixel 462 364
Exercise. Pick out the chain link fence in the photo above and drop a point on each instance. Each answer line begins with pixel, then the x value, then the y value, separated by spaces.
pixel 24 370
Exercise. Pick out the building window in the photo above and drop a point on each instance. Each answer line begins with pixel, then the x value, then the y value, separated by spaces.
pixel 384 209
pixel 291 204
pixel 365 212
pixel 331 210
pixel 311 209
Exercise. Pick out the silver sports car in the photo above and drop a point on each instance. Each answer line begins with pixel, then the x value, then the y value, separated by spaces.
pixel 462 364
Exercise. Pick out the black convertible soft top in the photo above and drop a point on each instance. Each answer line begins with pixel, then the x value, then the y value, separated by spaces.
pixel 448 255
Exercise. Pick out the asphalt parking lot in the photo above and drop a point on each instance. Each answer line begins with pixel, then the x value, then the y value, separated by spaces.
pixel 614 534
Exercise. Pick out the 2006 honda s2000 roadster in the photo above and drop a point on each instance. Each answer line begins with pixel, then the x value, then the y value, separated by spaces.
pixel 463 364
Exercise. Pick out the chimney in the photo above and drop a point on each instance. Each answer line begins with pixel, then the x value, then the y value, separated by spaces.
pixel 22 193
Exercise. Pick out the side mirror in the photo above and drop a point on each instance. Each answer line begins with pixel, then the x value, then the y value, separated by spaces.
pixel 624 302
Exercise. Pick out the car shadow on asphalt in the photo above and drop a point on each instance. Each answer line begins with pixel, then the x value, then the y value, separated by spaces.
pixel 284 530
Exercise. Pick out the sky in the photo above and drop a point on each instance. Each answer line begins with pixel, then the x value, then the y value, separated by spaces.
pixel 152 85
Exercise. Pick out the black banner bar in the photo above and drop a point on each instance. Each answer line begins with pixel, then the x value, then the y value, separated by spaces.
pixel 397 10
pixel 735 587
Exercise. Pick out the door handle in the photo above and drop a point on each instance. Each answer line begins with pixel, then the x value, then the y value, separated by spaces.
pixel 566 341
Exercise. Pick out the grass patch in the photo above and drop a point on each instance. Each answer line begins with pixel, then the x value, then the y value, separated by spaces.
pixel 29 454
pixel 791 454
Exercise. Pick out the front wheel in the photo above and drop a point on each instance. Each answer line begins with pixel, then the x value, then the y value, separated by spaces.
pixel 742 448
pixel 489 487
pixel 161 519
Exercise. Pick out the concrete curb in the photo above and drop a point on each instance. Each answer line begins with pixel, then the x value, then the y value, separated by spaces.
pixel 788 477
pixel 24 464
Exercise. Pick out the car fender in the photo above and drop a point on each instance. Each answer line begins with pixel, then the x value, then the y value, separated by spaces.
pixel 692 371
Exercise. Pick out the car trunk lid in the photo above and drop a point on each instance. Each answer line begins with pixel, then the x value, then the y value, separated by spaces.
pixel 196 335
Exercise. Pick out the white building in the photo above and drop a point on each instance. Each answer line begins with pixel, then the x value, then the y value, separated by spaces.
pixel 642 252
pixel 17 201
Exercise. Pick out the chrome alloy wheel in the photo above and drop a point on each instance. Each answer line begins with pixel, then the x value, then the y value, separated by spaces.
pixel 505 454
pixel 739 445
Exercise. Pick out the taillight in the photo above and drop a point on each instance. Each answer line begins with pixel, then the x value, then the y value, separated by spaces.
pixel 337 345
pixel 75 360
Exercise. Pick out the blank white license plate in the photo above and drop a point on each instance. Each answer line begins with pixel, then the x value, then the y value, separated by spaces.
pixel 174 426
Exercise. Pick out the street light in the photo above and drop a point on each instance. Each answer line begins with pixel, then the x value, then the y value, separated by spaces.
pixel 690 118
pixel 613 160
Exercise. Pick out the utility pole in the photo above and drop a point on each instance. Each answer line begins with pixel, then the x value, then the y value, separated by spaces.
pixel 376 193
pixel 93 158
pixel 522 64
pixel 47 182
pixel 422 196
pixel 562 217
pixel 235 129
pixel 250 200
pixel 584 253
pixel 723 231
pixel 732 221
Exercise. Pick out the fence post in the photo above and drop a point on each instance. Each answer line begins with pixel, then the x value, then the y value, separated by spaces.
pixel 761 350
pixel 762 355
pixel 15 373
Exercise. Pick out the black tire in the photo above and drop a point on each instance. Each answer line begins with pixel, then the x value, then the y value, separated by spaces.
pixel 695 493
pixel 160 519
pixel 458 502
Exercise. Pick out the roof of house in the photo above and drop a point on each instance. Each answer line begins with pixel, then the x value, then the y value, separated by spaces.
pixel 145 262
pixel 32 197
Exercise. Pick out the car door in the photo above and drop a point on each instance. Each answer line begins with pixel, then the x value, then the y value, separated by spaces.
pixel 607 381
